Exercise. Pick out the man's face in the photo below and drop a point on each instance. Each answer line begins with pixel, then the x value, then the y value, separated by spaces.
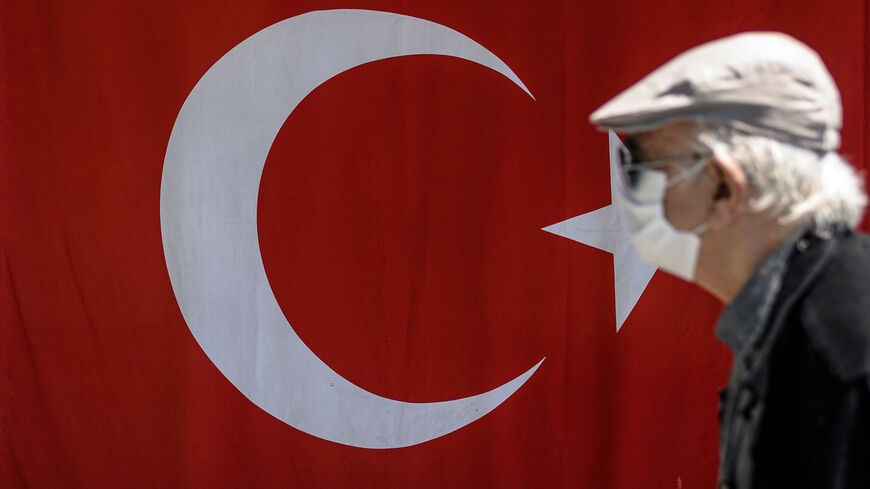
pixel 688 202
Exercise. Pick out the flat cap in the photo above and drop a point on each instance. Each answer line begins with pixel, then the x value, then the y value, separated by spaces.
pixel 764 83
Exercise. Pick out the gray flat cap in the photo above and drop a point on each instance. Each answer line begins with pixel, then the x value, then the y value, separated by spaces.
pixel 763 83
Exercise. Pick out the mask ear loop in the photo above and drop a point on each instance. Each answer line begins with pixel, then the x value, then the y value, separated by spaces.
pixel 693 170
pixel 700 229
pixel 715 147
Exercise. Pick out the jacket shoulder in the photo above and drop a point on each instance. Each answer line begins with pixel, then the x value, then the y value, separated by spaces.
pixel 836 309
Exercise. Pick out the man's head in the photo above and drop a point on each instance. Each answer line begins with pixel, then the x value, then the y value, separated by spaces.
pixel 745 130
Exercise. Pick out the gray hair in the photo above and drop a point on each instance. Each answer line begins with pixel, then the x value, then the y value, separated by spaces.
pixel 792 183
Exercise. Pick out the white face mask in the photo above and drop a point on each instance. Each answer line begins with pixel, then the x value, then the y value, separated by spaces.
pixel 643 217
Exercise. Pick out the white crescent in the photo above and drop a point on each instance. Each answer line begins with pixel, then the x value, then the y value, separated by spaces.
pixel 208 217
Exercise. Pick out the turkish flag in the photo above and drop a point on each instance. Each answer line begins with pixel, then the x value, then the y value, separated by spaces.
pixel 399 220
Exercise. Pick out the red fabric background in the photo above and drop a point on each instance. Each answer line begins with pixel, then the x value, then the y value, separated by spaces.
pixel 400 214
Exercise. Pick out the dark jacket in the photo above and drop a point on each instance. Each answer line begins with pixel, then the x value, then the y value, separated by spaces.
pixel 798 413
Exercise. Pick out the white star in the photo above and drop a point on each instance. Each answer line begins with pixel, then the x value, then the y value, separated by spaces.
pixel 602 229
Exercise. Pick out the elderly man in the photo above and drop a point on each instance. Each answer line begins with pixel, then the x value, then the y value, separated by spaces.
pixel 731 179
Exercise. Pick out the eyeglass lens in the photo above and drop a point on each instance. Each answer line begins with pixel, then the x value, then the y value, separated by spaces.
pixel 627 156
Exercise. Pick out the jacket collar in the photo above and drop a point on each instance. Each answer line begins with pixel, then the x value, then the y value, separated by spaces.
pixel 749 311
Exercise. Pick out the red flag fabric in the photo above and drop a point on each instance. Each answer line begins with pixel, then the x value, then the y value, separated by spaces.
pixel 399 220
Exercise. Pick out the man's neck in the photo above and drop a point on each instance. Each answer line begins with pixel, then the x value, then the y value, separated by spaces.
pixel 730 257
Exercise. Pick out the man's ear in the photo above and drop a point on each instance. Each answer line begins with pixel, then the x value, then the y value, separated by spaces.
pixel 730 192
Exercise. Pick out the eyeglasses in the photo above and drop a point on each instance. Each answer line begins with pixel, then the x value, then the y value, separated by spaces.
pixel 631 168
